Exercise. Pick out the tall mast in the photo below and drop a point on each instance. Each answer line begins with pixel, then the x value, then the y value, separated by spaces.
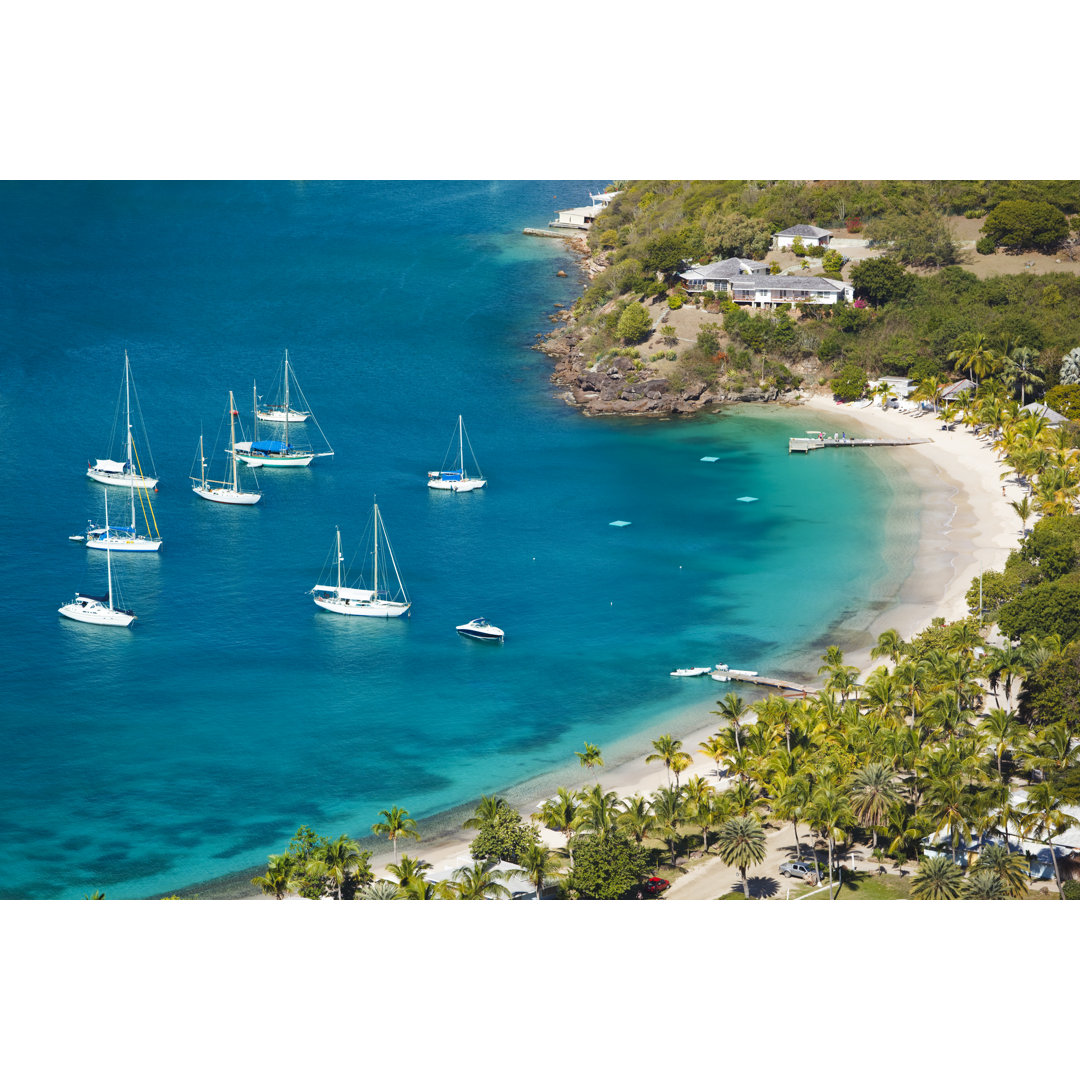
pixel 202 463
pixel 254 412
pixel 376 573
pixel 232 440
pixel 108 550
pixel 339 562
pixel 131 468
pixel 461 445
pixel 286 400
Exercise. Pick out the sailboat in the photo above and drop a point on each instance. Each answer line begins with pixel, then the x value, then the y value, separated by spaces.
pixel 99 609
pixel 280 453
pixel 125 537
pixel 378 602
pixel 278 414
pixel 126 473
pixel 227 490
pixel 457 479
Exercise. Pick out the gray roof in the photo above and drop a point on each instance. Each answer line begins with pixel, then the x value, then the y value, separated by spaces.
pixel 812 232
pixel 1042 409
pixel 957 388
pixel 724 271
pixel 783 281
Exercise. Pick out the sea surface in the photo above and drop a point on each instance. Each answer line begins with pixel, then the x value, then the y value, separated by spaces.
pixel 190 746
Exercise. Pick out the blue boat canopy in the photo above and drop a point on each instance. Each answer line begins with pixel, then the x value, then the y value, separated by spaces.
pixel 270 446
pixel 451 475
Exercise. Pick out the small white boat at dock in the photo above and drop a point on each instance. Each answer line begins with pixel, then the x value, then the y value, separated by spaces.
pixel 685 671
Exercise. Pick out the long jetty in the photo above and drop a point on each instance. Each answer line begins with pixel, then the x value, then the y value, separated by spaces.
pixel 760 680
pixel 804 444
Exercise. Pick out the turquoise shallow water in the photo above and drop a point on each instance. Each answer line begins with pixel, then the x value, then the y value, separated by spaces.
pixel 192 745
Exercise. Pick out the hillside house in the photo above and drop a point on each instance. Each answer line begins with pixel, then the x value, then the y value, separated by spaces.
pixel 810 235
pixel 773 290
pixel 718 276
pixel 578 217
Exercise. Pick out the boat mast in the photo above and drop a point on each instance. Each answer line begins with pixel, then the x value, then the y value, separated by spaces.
pixel 232 441
pixel 461 445
pixel 202 464
pixel 286 400
pixel 130 465
pixel 254 412
pixel 339 562
pixel 108 550
pixel 375 575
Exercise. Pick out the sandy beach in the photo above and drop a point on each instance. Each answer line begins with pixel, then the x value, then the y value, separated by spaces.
pixel 966 525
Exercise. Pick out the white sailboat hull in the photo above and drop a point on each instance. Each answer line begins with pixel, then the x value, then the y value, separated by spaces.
pixel 378 609
pixel 127 480
pixel 82 609
pixel 279 416
pixel 123 543
pixel 227 495
pixel 456 485
pixel 276 461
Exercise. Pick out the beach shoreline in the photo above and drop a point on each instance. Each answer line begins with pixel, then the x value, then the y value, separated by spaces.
pixel 966 524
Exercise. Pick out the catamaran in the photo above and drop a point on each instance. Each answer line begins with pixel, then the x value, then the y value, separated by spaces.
pixel 378 601
pixel 227 490
pixel 280 453
pixel 457 479
pixel 99 609
pixel 126 473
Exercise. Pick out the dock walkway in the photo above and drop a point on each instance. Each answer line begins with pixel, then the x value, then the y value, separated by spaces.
pixel 760 680
pixel 804 444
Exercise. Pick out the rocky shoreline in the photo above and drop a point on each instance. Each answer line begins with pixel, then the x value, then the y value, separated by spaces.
pixel 618 386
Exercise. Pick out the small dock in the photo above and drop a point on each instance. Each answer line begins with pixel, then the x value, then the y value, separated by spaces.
pixel 776 684
pixel 566 233
pixel 804 444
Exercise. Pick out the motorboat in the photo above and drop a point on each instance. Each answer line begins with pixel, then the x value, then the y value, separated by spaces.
pixel 691 671
pixel 480 629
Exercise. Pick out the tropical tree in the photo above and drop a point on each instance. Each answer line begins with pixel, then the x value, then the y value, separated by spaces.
pixel 741 843
pixel 1010 868
pixel 974 353
pixel 666 750
pixel 488 811
pixel 788 798
pixel 938 878
pixel 481 881
pixel 829 814
pixel 598 811
pixel 590 757
pixel 277 881
pixel 408 870
pixel 889 644
pixel 396 822
pixel 1003 727
pixel 1045 817
pixel 732 709
pixel 873 790
pixel 983 885
pixel 636 818
pixel 668 810
pixel 540 865
pixel 341 858
pixel 380 890
pixel 561 815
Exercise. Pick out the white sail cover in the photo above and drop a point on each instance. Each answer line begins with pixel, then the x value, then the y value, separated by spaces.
pixel 108 465
pixel 346 594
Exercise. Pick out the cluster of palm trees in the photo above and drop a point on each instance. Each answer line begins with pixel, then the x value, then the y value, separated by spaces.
pixel 1003 360
pixel 1044 459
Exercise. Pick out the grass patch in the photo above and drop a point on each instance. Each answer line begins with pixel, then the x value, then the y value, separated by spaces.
pixel 869 885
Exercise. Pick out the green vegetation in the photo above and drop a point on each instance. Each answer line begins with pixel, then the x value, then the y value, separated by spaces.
pixel 1023 225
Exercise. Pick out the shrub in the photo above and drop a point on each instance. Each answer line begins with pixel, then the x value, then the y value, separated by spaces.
pixel 832 263
pixel 985 246
pixel 854 225
pixel 1070 890
pixel 973 213
pixel 797 247
pixel 850 384
pixel 1065 400
pixel 774 267
pixel 675 302
pixel 634 324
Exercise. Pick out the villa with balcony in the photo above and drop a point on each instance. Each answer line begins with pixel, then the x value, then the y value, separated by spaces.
pixel 718 276
pixel 774 290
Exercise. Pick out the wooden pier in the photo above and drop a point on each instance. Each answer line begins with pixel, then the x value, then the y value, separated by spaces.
pixel 567 233
pixel 760 680
pixel 806 443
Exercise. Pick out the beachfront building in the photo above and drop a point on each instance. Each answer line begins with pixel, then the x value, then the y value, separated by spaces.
pixel 954 390
pixel 810 235
pixel 718 276
pixel 578 217
pixel 1052 418
pixel 603 199
pixel 775 290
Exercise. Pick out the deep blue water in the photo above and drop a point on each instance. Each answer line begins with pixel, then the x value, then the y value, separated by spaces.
pixel 193 744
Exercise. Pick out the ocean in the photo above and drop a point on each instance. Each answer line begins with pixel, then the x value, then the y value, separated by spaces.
pixel 185 749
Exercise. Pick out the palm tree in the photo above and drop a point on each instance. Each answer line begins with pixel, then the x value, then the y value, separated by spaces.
pixel 732 709
pixel 380 890
pixel 983 885
pixel 539 863
pixel 481 881
pixel 1044 816
pixel 277 881
pixel 409 870
pixel 1002 726
pixel 829 813
pixel 788 799
pixel 713 747
pixel 668 807
pixel 1010 868
pixel 487 812
pixel 938 878
pixel 741 843
pixel 396 822
pixel 890 644
pixel 874 789
pixel 561 815
pixel 666 748
pixel 590 757
pixel 973 353
pixel 598 812
pixel 636 818
pixel 340 857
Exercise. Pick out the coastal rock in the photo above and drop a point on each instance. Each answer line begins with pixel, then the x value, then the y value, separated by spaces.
pixel 560 273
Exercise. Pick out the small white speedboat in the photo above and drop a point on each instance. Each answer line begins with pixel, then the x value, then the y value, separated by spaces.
pixel 480 629
pixel 691 671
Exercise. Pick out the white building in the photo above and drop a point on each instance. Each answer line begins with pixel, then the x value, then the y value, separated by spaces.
pixel 773 290
pixel 810 235
pixel 578 217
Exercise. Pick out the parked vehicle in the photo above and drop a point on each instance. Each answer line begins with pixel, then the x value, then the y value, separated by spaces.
pixel 799 868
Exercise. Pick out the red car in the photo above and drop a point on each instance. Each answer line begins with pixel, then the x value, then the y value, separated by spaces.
pixel 654 886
